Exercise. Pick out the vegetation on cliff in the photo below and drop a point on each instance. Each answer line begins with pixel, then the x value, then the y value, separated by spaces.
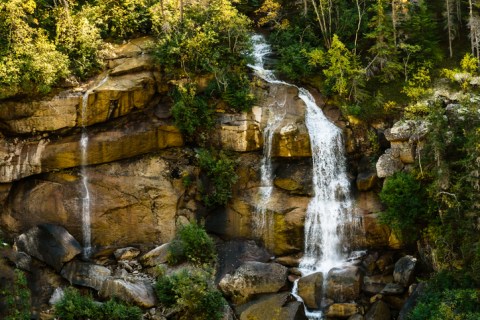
pixel 375 60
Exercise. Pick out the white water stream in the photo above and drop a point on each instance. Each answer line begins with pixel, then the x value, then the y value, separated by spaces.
pixel 330 208
pixel 86 200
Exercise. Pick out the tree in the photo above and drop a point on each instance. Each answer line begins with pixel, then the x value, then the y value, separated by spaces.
pixel 383 51
pixel 29 61
pixel 450 25
pixel 342 72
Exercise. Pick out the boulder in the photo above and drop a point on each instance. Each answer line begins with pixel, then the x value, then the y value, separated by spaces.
pixel 155 256
pixel 253 278
pixel 290 260
pixel 401 130
pixel 376 284
pixel 140 292
pixel 143 62
pixel 232 254
pixel 378 311
pixel 49 243
pixel 341 310
pixel 388 164
pixel 85 274
pixel 310 290
pixel 127 253
pixel 404 272
pixel 57 296
pixel 280 306
pixel 392 289
pixel 344 284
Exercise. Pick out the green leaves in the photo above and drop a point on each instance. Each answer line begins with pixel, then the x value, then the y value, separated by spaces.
pixel 220 177
pixel 29 61
pixel 192 244
pixel 192 293
pixel 406 203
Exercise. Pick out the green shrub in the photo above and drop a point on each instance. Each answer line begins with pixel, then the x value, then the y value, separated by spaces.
pixel 190 111
pixel 221 176
pixel 235 91
pixel 16 297
pixel 207 36
pixel 75 306
pixel 193 293
pixel 406 203
pixel 125 18
pixel 115 310
pixel 449 296
pixel 192 244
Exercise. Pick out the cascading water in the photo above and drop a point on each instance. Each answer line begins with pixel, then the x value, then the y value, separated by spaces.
pixel 329 209
pixel 86 201
pixel 276 113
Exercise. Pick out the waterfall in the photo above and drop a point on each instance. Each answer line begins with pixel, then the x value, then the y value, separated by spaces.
pixel 276 113
pixel 330 207
pixel 86 200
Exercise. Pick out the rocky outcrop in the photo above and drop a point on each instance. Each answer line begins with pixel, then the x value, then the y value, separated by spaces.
pixel 344 284
pixel 405 138
pixel 59 112
pixel 379 311
pixel 86 274
pixel 127 253
pixel 155 256
pixel 252 278
pixel 404 272
pixel 139 292
pixel 280 306
pixel 232 254
pixel 135 195
pixel 310 290
pixel 49 243
pixel 287 212
pixel 239 132
pixel 341 310
pixel 118 96
pixel 24 158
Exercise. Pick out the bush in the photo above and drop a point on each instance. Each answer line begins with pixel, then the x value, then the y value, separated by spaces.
pixel 208 36
pixel 191 112
pixel 221 176
pixel 75 306
pixel 16 297
pixel 406 203
pixel 192 244
pixel 193 293
pixel 449 296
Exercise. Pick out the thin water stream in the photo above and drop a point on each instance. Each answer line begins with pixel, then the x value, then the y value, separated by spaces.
pixel 330 207
pixel 86 199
